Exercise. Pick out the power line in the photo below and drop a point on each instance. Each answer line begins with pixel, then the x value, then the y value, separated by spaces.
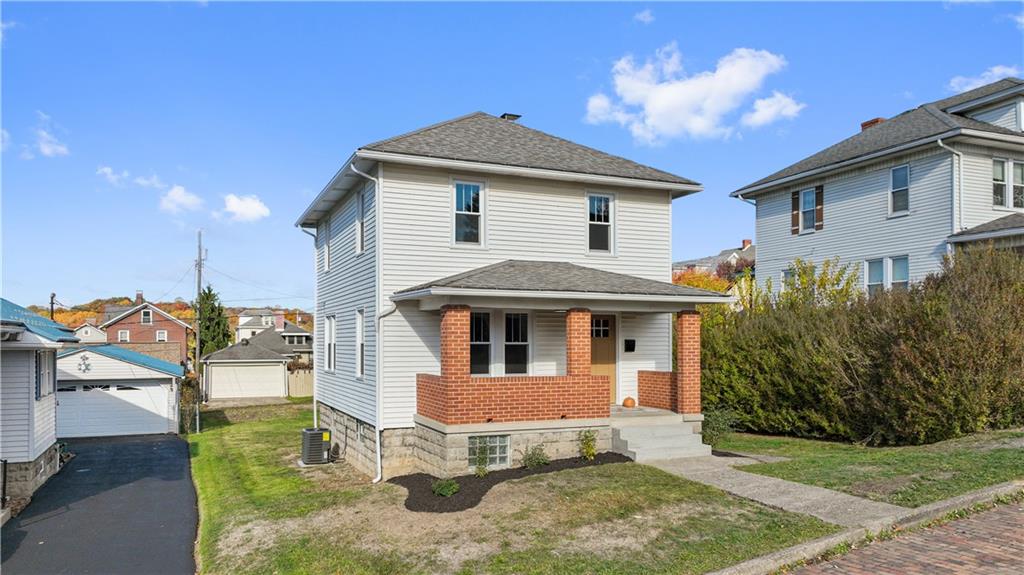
pixel 190 268
pixel 257 286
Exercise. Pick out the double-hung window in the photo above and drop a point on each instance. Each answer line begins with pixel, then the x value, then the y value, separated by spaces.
pixel 998 182
pixel 1018 185
pixel 892 273
pixel 161 335
pixel 46 372
pixel 468 213
pixel 808 207
pixel 876 276
pixel 123 336
pixel 599 216
pixel 900 268
pixel 479 343
pixel 899 190
pixel 329 335
pixel 147 317
pixel 360 342
pixel 517 343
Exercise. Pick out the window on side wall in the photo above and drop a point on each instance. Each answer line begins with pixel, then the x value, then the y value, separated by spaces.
pixel 599 216
pixel 161 335
pixel 808 207
pixel 479 343
pixel 517 343
pixel 998 182
pixel 46 370
pixel 468 213
pixel 329 335
pixel 360 342
pixel 1018 185
pixel 875 276
pixel 788 277
pixel 900 272
pixel 899 190
pixel 123 336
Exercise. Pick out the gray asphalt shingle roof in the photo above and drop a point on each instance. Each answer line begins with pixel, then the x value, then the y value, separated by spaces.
pixel 922 122
pixel 1010 222
pixel 523 275
pixel 244 350
pixel 480 137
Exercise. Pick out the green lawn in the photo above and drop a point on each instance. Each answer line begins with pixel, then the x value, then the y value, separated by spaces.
pixel 907 476
pixel 260 513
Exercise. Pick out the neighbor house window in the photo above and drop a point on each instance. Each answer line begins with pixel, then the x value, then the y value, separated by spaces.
pixel 495 446
pixel 46 370
pixel 899 189
pixel 876 276
pixel 361 222
pixel 517 343
pixel 807 210
pixel 900 272
pixel 998 182
pixel 479 343
pixel 122 336
pixel 788 277
pixel 161 335
pixel 329 336
pixel 1018 184
pixel 86 331
pixel 360 342
pixel 468 206
pixel 599 217
pixel 147 316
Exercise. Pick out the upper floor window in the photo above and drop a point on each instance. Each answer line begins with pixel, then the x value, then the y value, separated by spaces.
pixel 147 316
pixel 161 335
pixel 600 223
pixel 998 182
pixel 1018 185
pixel 361 222
pixel 479 343
pixel 899 189
pixel 808 209
pixel 122 336
pixel 517 343
pixel 329 335
pixel 468 213
pixel 360 342
pixel 267 320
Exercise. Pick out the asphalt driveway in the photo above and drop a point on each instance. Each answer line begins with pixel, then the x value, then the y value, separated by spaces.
pixel 122 505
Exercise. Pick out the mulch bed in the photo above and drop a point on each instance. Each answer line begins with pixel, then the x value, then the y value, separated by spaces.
pixel 472 488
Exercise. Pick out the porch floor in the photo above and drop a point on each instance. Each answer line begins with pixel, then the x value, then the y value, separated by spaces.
pixel 639 415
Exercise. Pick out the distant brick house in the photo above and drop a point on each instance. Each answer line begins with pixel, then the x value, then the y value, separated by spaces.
pixel 147 329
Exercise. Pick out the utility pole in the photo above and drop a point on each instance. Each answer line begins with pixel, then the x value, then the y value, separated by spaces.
pixel 53 298
pixel 199 290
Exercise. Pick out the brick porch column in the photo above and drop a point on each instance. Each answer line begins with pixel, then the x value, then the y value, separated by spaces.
pixel 688 361
pixel 454 342
pixel 577 342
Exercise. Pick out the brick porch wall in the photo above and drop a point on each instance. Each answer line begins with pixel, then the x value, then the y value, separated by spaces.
pixel 678 390
pixel 657 389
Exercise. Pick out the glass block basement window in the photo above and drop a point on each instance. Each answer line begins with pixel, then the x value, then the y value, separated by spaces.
pixel 496 446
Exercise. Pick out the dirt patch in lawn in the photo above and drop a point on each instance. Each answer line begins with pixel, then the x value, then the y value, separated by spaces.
pixel 882 487
pixel 472 488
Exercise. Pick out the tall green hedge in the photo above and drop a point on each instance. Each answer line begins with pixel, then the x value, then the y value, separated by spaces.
pixel 939 360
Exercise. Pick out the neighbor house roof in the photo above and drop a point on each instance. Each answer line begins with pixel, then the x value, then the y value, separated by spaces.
pixel 245 350
pixel 927 121
pixel 749 253
pixel 136 308
pixel 1012 224
pixel 257 311
pixel 252 322
pixel 15 315
pixel 537 276
pixel 274 341
pixel 128 356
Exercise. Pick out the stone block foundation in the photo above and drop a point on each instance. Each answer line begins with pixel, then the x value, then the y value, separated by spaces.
pixel 24 477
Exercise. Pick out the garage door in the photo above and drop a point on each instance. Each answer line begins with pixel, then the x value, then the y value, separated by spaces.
pixel 240 380
pixel 114 408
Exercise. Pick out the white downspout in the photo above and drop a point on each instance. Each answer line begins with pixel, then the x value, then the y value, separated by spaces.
pixel 958 188
pixel 316 312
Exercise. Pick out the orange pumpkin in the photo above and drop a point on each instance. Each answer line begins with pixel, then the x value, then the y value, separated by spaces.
pixel 629 402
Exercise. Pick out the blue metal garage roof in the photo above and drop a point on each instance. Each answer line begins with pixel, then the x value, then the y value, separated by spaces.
pixel 13 314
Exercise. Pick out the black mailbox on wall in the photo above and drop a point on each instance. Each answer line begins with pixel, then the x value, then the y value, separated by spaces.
pixel 630 345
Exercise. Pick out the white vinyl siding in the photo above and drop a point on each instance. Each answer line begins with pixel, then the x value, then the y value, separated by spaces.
pixel 1005 115
pixel 100 367
pixel 17 397
pixel 859 226
pixel 977 191
pixel 525 219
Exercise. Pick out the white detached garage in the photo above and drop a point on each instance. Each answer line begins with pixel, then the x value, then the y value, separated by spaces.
pixel 110 390
pixel 244 370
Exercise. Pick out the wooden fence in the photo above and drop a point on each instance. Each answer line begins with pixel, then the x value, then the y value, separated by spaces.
pixel 300 383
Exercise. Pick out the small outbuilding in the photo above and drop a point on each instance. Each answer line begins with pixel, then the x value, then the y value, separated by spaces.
pixel 245 369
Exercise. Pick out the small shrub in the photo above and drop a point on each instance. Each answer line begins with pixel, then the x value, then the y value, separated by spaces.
pixel 718 423
pixel 481 461
pixel 445 487
pixel 588 444
pixel 535 457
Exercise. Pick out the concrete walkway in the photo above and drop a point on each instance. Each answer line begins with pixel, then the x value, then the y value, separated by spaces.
pixel 825 504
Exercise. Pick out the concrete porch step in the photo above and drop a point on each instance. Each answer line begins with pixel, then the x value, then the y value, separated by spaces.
pixel 644 432
pixel 681 441
pixel 666 440
pixel 641 454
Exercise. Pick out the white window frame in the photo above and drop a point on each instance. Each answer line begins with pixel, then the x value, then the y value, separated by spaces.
pixel 161 335
pixel 889 279
pixel 887 267
pixel 147 317
pixel 360 231
pixel 45 373
pixel 1011 191
pixel 790 272
pixel 127 336
pixel 814 210
pixel 867 274
pixel 1007 168
pixel 612 236
pixel 330 343
pixel 482 214
pixel 505 343
pixel 360 343
pixel 892 190
pixel 490 342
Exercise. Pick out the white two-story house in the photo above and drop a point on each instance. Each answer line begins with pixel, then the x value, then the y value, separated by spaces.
pixel 899 196
pixel 484 285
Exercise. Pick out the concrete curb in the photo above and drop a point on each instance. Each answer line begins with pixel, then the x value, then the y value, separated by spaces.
pixel 912 517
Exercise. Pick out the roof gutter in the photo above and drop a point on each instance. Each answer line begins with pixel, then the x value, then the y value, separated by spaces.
pixel 965 238
pixel 323 192
pixel 468 292
pixel 678 189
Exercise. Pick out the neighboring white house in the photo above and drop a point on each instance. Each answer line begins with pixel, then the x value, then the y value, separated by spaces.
pixel 28 432
pixel 88 332
pixel 481 283
pixel 895 199
pixel 110 390
pixel 253 321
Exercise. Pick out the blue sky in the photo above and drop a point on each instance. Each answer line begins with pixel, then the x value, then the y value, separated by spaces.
pixel 128 126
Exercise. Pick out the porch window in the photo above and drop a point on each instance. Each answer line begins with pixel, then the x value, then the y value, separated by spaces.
pixel 517 343
pixel 899 189
pixel 467 213
pixel 876 276
pixel 998 182
pixel 900 273
pixel 600 217
pixel 495 445
pixel 479 343
pixel 1018 184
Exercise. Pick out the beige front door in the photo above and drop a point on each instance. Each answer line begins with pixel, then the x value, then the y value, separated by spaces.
pixel 602 348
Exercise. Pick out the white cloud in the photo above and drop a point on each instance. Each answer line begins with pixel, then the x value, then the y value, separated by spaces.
pixel 4 26
pixel 245 208
pixel 26 153
pixel 768 110
pixel 48 144
pixel 644 17
pixel 152 181
pixel 964 83
pixel 5 140
pixel 112 176
pixel 657 101
pixel 1019 19
pixel 178 199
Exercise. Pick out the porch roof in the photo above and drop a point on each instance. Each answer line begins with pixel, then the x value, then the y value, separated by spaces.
pixel 561 281
pixel 1010 225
